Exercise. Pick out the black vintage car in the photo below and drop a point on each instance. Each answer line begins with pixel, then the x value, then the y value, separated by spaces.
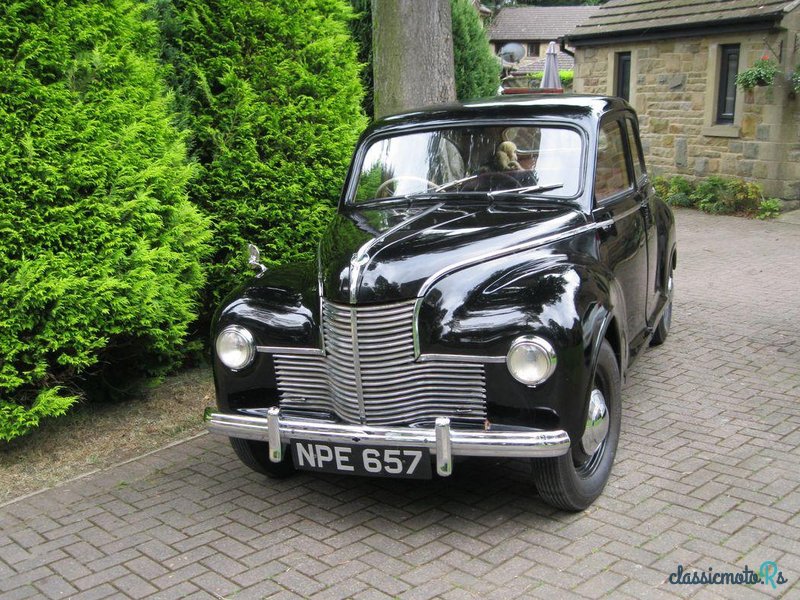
pixel 493 271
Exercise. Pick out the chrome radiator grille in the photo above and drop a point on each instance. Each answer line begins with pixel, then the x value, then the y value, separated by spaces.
pixel 368 373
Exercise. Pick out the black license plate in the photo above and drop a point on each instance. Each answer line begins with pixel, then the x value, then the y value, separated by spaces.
pixel 413 463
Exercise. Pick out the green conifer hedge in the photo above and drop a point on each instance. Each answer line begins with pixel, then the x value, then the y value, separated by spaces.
pixel 100 249
pixel 477 69
pixel 271 93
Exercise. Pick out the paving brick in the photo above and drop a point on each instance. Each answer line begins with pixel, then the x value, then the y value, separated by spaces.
pixel 176 592
pixel 343 589
pixel 345 554
pixel 373 594
pixel 298 583
pixel 55 587
pixel 96 593
pixel 134 586
pixel 258 591
pixel 215 584
pixel 425 591
pixel 601 584
pixel 180 575
pixel 24 578
pixel 21 593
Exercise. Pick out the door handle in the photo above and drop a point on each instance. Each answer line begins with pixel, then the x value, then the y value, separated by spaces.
pixel 607 229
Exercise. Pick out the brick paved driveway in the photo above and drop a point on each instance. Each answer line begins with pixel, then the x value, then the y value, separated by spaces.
pixel 708 475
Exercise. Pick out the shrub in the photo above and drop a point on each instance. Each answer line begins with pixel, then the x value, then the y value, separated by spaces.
pixel 100 249
pixel 722 195
pixel 675 190
pixel 477 69
pixel 769 208
pixel 680 192
pixel 272 97
pixel 680 185
pixel 534 80
pixel 680 199
pixel 709 193
pixel 661 185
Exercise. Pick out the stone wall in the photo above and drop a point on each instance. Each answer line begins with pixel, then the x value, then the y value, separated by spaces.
pixel 673 89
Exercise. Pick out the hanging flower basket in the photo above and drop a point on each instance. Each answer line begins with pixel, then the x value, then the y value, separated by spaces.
pixel 762 73
pixel 795 80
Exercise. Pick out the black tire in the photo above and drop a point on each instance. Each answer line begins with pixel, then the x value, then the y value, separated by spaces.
pixel 575 480
pixel 256 456
pixel 662 330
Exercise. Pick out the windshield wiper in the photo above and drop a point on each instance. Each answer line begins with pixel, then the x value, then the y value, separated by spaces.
pixel 441 188
pixel 528 189
pixel 449 184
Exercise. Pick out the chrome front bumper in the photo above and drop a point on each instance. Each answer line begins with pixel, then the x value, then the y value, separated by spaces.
pixel 442 440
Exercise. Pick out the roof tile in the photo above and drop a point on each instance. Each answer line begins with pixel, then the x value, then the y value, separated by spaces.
pixel 630 16
pixel 535 23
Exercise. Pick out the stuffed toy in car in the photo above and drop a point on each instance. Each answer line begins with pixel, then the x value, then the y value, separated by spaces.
pixel 506 157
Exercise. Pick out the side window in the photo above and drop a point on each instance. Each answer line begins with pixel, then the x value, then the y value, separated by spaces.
pixel 611 173
pixel 622 86
pixel 726 92
pixel 636 149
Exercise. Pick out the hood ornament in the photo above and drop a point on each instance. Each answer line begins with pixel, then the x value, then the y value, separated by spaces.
pixel 255 260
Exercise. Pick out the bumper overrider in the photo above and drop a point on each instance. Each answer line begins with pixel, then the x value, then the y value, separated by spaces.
pixel 442 440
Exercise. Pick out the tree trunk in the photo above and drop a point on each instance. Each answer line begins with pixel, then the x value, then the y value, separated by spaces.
pixel 412 44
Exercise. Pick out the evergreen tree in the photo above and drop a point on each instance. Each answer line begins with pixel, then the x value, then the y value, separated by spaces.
pixel 99 248
pixel 272 97
pixel 477 68
pixel 361 26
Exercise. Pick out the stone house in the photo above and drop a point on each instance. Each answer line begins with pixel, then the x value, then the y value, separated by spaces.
pixel 529 29
pixel 677 61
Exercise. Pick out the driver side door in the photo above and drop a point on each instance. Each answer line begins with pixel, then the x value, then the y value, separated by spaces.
pixel 623 236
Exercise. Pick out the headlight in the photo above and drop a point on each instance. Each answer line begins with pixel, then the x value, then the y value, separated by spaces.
pixel 531 360
pixel 236 347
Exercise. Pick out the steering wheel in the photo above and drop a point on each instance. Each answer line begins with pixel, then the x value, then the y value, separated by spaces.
pixel 490 181
pixel 385 186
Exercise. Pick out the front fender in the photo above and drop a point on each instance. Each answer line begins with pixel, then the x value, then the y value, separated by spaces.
pixel 566 297
pixel 281 309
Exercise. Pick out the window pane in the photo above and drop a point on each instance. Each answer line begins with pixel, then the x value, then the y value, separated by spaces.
pixel 611 175
pixel 636 151
pixel 726 93
pixel 623 88
pixel 473 159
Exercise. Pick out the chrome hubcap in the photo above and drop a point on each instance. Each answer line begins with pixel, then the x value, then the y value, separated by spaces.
pixel 596 423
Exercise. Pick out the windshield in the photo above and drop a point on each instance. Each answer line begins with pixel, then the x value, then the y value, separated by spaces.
pixel 540 160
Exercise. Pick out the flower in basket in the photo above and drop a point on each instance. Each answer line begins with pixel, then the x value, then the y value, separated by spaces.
pixel 796 79
pixel 762 72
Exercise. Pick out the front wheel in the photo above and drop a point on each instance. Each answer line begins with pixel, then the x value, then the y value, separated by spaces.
pixel 256 456
pixel 574 480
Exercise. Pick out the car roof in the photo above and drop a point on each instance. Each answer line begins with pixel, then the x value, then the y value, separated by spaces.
pixel 516 106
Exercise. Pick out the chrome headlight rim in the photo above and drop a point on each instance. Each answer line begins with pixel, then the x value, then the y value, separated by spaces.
pixel 541 345
pixel 249 343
